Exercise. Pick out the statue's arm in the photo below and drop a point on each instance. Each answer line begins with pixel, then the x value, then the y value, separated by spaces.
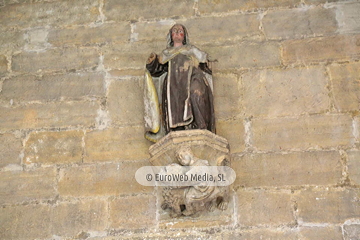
pixel 155 68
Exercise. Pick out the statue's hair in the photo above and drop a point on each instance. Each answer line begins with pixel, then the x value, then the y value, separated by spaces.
pixel 182 150
pixel 170 42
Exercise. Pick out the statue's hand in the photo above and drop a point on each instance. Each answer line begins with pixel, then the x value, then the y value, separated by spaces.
pixel 151 58
pixel 223 205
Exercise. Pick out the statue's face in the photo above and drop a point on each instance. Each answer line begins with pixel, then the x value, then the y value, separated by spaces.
pixel 177 34
pixel 184 158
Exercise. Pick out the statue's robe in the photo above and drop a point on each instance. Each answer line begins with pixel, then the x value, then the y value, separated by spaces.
pixel 178 92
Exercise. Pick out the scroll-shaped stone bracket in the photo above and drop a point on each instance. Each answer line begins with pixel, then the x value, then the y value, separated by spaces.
pixel 192 148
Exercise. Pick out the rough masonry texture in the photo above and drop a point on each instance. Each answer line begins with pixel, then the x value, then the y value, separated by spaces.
pixel 287 98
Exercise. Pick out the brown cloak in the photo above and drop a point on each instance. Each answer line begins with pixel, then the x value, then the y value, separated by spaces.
pixel 184 91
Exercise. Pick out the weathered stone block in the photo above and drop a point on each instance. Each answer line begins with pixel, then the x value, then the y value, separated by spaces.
pixel 328 206
pixel 10 149
pixel 227 96
pixel 25 89
pixel 245 55
pixel 56 60
pixel 320 131
pixel 256 208
pixel 351 230
pixel 354 166
pixel 125 101
pixel 71 218
pixel 267 233
pixel 110 179
pixel 11 40
pixel 291 169
pixel 321 233
pixel 84 36
pixel 126 143
pixel 345 86
pixel 183 235
pixel 163 235
pixel 20 186
pixel 153 31
pixel 203 30
pixel 126 72
pixel 315 50
pixel 25 222
pixel 58 13
pixel 36 39
pixel 3 65
pixel 49 116
pixel 139 9
pixel 317 2
pixel 133 212
pixel 274 93
pixel 9 2
pixel 304 22
pixel 348 17
pixel 130 56
pixel 238 27
pixel 54 147
pixel 234 132
pixel 210 6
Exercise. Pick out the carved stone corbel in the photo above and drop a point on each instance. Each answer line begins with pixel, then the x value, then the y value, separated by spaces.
pixel 192 148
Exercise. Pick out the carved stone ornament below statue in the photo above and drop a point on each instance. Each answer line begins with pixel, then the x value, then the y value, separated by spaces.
pixel 192 148
pixel 179 118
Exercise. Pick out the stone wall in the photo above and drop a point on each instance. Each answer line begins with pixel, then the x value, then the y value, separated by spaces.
pixel 287 97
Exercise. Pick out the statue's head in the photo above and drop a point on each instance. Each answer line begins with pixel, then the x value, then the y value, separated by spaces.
pixel 177 34
pixel 185 156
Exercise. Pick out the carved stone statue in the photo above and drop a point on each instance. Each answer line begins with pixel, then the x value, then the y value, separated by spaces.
pixel 190 200
pixel 178 96
pixel 178 88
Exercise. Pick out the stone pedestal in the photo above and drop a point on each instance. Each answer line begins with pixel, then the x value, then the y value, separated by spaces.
pixel 204 145
pixel 196 146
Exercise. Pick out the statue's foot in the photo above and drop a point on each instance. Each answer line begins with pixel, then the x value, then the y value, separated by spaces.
pixel 223 205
